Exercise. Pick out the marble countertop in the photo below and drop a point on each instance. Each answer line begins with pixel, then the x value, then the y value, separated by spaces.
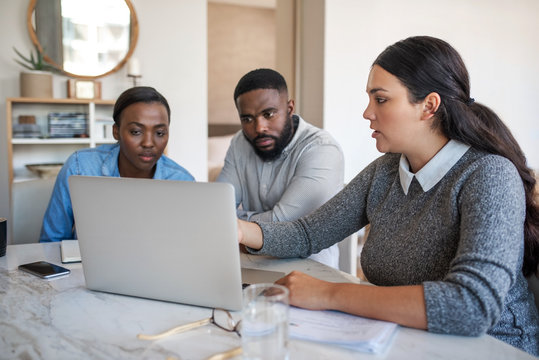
pixel 61 319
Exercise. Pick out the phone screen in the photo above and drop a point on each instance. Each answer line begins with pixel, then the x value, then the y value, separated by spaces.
pixel 44 269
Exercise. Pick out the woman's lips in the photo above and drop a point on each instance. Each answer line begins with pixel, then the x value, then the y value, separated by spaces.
pixel 147 157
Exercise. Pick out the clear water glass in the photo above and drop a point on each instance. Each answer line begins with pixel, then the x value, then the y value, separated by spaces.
pixel 264 324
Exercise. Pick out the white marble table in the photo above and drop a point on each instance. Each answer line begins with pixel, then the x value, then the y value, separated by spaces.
pixel 61 319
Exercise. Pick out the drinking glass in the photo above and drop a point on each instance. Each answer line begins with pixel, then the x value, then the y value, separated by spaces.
pixel 264 324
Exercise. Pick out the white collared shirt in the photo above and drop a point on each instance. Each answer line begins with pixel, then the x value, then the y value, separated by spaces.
pixel 435 169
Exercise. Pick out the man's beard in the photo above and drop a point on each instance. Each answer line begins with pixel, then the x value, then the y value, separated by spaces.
pixel 280 142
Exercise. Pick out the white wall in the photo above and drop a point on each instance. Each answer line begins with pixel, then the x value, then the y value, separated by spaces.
pixel 496 38
pixel 172 50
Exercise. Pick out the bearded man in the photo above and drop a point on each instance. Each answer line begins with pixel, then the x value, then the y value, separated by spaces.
pixel 280 166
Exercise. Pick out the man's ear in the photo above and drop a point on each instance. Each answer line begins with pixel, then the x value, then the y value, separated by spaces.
pixel 291 106
pixel 116 132
pixel 431 103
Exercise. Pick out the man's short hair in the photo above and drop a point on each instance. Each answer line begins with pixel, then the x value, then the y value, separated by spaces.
pixel 260 79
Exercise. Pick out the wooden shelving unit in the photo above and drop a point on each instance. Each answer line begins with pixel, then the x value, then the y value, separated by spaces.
pixel 31 150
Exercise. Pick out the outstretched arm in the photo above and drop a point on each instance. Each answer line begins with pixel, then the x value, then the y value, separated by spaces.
pixel 404 305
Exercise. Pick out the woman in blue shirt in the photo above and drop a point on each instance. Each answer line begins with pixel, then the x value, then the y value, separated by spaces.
pixel 141 123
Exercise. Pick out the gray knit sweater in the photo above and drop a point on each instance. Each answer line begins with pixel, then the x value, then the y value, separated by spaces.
pixel 462 239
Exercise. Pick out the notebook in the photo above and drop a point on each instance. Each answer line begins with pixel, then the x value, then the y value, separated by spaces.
pixel 161 239
pixel 69 249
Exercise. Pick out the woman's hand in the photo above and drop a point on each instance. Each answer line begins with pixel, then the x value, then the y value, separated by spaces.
pixel 250 234
pixel 240 232
pixel 306 291
pixel 404 305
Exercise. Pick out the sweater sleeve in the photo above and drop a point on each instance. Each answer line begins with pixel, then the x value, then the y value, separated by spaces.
pixel 470 299
pixel 339 217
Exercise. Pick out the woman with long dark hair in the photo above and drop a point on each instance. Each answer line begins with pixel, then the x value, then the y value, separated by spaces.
pixel 453 222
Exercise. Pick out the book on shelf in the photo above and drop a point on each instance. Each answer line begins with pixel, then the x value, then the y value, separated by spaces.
pixel 68 124
pixel 103 128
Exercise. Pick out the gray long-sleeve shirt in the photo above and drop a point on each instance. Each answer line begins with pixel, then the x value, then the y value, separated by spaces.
pixel 462 239
pixel 309 171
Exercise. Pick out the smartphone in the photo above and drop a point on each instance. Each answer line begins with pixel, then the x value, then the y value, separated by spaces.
pixel 44 269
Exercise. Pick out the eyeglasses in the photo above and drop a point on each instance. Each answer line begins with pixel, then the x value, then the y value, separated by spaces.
pixel 219 317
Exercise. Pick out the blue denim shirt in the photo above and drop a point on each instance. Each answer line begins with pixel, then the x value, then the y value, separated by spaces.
pixel 58 222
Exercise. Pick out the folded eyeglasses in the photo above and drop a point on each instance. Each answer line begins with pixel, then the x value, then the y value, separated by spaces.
pixel 219 317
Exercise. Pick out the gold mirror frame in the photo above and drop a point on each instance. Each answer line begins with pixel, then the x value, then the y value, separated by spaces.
pixel 134 29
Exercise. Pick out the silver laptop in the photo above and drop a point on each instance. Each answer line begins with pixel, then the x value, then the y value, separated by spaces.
pixel 159 239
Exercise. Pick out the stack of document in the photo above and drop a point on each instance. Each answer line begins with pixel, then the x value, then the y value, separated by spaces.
pixel 333 327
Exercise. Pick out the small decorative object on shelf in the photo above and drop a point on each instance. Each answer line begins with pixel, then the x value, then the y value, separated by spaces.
pixel 27 119
pixel 83 89
pixel 133 70
pixel 36 80
pixel 45 170
pixel 26 127
pixel 103 128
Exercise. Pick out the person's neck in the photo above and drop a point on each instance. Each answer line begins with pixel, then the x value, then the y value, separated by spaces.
pixel 423 153
pixel 137 174
pixel 295 125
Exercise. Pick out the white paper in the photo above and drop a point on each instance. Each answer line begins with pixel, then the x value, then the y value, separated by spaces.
pixel 333 327
pixel 70 251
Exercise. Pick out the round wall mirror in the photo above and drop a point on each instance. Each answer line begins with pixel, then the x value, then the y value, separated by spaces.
pixel 84 39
